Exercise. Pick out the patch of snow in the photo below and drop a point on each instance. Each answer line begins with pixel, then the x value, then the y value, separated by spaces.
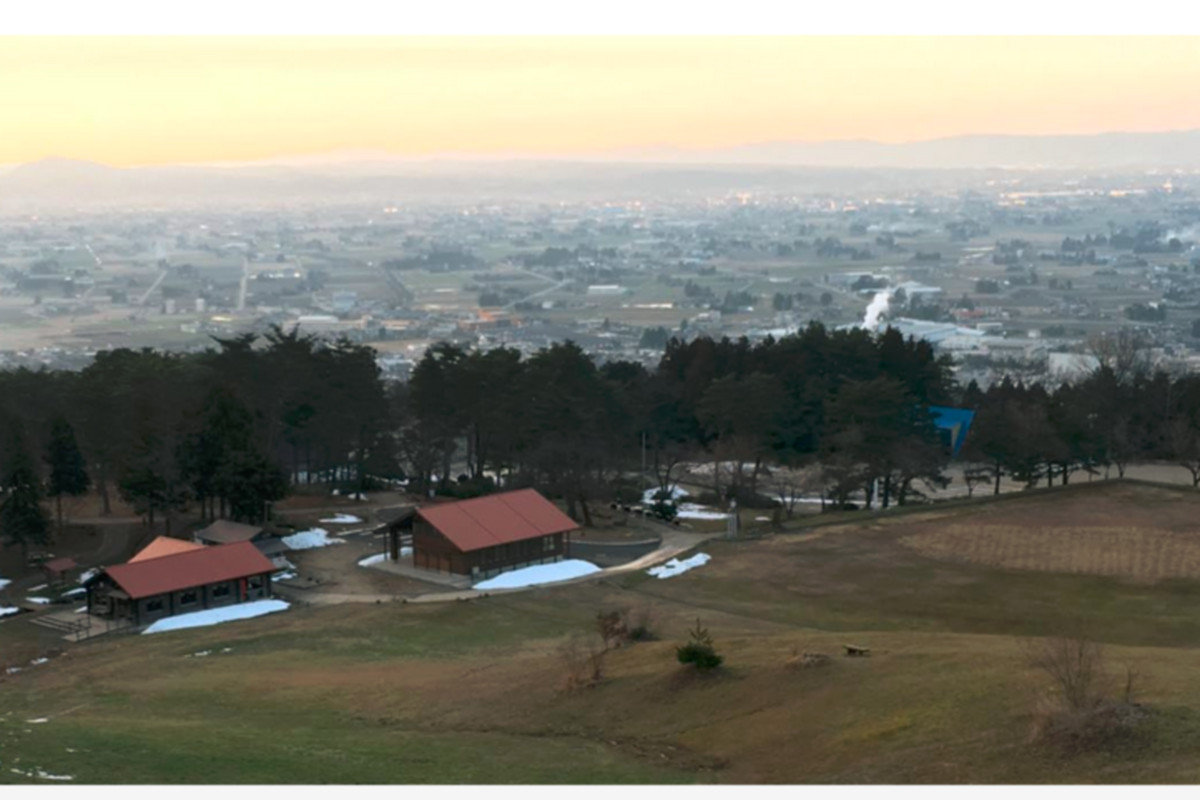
pixel 46 776
pixel 648 495
pixel 81 610
pixel 762 519
pixel 87 576
pixel 357 496
pixel 378 558
pixel 39 587
pixel 342 519
pixel 39 661
pixel 307 540
pixel 12 670
pixel 676 567
pixel 6 610
pixel 214 616
pixel 226 649
pixel 539 574
pixel 38 600
pixel 284 576
pixel 37 721
pixel 4 582
pixel 202 653
pixel 74 592
pixel 693 511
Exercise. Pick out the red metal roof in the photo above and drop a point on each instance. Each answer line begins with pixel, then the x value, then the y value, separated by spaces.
pixel 222 562
pixel 497 519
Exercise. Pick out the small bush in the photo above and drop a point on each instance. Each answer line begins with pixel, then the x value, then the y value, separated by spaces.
pixel 1085 711
pixel 664 510
pixel 612 629
pixel 584 662
pixel 639 624
pixel 699 651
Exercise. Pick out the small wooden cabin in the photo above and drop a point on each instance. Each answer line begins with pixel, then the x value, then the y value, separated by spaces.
pixel 142 591
pixel 485 536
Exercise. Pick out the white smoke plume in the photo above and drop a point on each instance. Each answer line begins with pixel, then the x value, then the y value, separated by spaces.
pixel 878 307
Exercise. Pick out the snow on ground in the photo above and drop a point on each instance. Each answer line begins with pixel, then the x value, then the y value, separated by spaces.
pixel 87 576
pixel 37 721
pixel 46 776
pixel 762 519
pixel 342 519
pixel 214 616
pixel 379 558
pixel 676 567
pixel 74 592
pixel 648 495
pixel 38 600
pixel 541 573
pixel 284 576
pixel 693 511
pixel 4 582
pixel 81 610
pixel 37 662
pixel 6 610
pixel 307 540
pixel 39 587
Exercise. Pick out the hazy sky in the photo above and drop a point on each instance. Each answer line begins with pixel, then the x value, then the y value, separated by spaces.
pixel 171 99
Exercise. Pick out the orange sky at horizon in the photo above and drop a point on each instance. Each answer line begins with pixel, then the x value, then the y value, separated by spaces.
pixel 153 100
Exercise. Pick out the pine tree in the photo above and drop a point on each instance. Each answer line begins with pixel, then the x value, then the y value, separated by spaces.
pixel 68 471
pixel 23 521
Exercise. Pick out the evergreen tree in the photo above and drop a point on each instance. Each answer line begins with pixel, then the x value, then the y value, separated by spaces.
pixel 23 521
pixel 68 470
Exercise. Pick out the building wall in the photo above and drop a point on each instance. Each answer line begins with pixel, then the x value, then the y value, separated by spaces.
pixel 185 601
pixel 432 550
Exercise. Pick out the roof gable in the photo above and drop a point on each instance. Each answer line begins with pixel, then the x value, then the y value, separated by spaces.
pixel 164 546
pixel 497 519
pixel 171 573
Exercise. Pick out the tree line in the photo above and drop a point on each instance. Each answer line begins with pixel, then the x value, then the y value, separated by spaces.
pixel 228 431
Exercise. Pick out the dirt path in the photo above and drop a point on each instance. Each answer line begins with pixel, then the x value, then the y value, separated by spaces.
pixel 674 543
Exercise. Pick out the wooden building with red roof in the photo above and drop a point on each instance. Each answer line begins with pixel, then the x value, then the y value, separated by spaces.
pixel 171 577
pixel 485 536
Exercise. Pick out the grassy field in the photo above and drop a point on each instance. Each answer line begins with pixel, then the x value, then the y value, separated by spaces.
pixel 474 691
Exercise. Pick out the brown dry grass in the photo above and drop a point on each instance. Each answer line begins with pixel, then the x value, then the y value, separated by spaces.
pixel 1143 554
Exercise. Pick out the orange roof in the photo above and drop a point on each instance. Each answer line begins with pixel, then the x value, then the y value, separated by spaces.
pixel 164 546
pixel 497 519
pixel 216 564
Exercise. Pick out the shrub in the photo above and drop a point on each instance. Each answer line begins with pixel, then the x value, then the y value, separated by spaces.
pixel 639 624
pixel 612 629
pixel 699 651
pixel 664 510
pixel 584 662
pixel 1085 711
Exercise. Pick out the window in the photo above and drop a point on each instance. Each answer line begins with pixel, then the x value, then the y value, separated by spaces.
pixel 221 590
pixel 154 605
pixel 548 543
pixel 188 598
pixel 255 582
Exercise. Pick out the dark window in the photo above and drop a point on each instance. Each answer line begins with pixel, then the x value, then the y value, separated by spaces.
pixel 255 582
pixel 221 591
pixel 547 543
pixel 154 605
pixel 188 598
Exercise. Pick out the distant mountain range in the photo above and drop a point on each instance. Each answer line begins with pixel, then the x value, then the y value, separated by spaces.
pixel 351 176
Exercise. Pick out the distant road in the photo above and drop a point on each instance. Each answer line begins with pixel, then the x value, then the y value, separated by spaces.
pixel 556 285
pixel 153 286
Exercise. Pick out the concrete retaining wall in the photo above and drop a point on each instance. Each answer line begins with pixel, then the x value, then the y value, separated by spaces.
pixel 611 554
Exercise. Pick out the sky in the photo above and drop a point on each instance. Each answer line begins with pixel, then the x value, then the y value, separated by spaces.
pixel 155 99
